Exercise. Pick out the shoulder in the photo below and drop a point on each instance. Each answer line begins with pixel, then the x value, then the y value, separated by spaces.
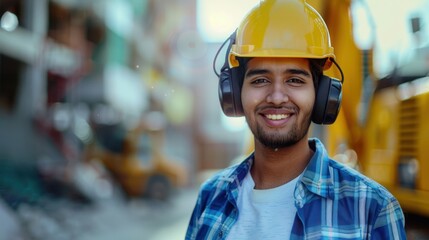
pixel 344 180
pixel 227 177
pixel 352 187
pixel 345 175
pixel 219 178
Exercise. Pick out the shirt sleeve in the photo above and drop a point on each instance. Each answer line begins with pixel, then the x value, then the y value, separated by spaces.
pixel 390 223
pixel 192 226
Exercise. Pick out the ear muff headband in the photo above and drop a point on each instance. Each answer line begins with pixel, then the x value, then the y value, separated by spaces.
pixel 229 84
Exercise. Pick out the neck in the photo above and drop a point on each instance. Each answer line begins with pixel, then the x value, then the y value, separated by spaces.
pixel 275 167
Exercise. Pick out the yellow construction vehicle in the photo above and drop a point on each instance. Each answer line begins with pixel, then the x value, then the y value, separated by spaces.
pixel 385 96
pixel 139 164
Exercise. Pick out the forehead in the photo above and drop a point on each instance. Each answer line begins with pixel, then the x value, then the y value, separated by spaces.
pixel 278 61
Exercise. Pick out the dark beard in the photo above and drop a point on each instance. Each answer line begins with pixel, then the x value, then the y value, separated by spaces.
pixel 278 140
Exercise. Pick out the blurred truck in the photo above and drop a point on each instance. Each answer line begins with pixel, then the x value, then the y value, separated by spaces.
pixel 381 129
pixel 138 165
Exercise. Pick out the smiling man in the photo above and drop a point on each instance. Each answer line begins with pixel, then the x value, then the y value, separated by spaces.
pixel 278 97
pixel 288 188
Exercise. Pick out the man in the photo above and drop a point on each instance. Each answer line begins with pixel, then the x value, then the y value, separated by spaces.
pixel 288 188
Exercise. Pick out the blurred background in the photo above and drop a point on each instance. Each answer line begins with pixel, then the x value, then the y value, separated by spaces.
pixel 110 118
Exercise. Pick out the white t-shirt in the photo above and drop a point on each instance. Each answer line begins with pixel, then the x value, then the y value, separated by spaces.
pixel 264 214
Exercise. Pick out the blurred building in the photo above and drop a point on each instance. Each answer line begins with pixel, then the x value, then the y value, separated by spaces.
pixel 67 65
pixel 78 74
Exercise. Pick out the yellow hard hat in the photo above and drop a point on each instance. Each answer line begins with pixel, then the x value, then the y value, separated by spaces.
pixel 282 28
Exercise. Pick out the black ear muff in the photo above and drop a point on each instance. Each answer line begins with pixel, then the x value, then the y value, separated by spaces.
pixel 328 101
pixel 230 85
pixel 230 93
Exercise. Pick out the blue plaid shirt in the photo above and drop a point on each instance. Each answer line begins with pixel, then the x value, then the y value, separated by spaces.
pixel 332 201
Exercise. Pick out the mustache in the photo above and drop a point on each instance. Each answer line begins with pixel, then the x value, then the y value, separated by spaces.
pixel 288 108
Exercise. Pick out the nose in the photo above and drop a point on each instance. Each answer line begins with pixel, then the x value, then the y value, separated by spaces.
pixel 278 94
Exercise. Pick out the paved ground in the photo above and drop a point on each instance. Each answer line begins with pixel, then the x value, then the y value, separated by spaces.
pixel 111 220
pixel 175 231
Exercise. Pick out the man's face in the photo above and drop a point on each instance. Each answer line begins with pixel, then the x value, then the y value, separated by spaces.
pixel 278 97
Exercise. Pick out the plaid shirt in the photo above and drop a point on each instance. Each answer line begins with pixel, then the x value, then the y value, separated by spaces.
pixel 332 201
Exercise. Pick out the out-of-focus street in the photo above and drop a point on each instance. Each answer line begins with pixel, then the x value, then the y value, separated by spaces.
pixel 137 219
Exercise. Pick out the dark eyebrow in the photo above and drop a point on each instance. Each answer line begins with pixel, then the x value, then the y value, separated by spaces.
pixel 298 72
pixel 295 71
pixel 253 72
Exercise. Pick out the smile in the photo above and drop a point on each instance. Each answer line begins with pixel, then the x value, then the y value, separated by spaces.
pixel 277 116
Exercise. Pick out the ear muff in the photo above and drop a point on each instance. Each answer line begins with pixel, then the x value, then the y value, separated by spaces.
pixel 230 86
pixel 230 93
pixel 328 101
pixel 328 95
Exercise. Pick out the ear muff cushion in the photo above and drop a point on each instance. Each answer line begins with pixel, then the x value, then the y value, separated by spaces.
pixel 226 98
pixel 230 92
pixel 328 101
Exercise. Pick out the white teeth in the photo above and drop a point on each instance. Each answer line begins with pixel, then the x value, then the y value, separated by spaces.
pixel 277 116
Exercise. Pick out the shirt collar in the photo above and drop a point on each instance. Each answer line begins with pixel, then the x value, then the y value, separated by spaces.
pixel 317 177
pixel 232 177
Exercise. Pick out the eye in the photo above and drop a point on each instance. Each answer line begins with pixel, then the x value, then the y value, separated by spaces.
pixel 295 81
pixel 259 81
